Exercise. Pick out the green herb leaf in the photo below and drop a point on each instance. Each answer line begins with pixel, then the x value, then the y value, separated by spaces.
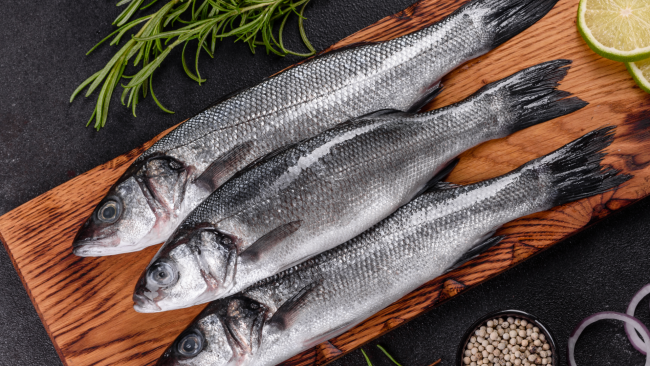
pixel 388 354
pixel 255 22
pixel 366 357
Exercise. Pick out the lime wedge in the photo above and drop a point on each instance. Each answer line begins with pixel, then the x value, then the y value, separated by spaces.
pixel 616 29
pixel 640 71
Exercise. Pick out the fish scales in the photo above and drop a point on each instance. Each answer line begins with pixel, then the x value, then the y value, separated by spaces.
pixel 326 190
pixel 301 102
pixel 336 290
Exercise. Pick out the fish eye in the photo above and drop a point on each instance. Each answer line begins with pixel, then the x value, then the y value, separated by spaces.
pixel 190 345
pixel 162 274
pixel 109 212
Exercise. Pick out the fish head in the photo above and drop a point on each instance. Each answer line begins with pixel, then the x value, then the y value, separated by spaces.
pixel 228 332
pixel 138 210
pixel 194 266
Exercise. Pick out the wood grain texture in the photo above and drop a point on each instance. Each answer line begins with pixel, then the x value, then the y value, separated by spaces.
pixel 85 303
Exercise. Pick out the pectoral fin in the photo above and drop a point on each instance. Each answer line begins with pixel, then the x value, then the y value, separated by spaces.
pixel 269 241
pixel 224 167
pixel 287 313
pixel 477 249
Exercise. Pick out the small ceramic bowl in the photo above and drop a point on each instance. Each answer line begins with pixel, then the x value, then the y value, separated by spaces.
pixel 504 314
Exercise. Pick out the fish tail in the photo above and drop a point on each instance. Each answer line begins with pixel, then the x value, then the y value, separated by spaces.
pixel 576 171
pixel 531 95
pixel 507 18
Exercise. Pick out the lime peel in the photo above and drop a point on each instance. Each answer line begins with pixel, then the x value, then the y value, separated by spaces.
pixel 614 25
pixel 640 71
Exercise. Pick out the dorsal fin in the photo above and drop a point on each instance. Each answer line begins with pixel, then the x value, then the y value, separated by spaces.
pixel 269 241
pixel 429 95
pixel 287 313
pixel 442 174
pixel 381 112
pixel 264 158
pixel 445 185
pixel 344 48
pixel 366 117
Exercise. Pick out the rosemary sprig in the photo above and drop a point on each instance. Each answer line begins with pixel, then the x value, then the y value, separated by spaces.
pixel 207 21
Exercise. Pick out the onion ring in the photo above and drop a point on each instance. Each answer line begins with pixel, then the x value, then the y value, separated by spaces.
pixel 634 322
pixel 632 335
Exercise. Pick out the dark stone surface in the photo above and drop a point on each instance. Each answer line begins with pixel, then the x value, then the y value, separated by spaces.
pixel 43 143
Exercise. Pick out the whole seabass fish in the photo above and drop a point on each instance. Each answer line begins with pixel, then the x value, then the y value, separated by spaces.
pixel 326 190
pixel 178 172
pixel 327 295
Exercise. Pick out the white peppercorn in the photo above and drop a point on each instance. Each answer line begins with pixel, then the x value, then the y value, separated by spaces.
pixel 507 342
pixel 532 358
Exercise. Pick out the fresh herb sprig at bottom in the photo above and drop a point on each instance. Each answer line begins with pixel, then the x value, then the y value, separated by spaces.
pixel 389 357
pixel 207 21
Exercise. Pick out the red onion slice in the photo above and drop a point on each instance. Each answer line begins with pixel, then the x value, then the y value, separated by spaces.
pixel 634 322
pixel 634 338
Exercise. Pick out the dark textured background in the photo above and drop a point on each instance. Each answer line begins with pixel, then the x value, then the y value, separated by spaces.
pixel 43 143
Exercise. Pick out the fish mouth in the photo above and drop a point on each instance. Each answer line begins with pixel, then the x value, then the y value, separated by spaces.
pixel 96 247
pixel 143 304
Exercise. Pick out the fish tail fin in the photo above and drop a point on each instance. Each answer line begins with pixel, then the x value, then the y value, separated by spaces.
pixel 507 18
pixel 575 170
pixel 531 96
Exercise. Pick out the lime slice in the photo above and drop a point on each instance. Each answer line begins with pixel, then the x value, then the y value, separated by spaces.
pixel 641 73
pixel 616 29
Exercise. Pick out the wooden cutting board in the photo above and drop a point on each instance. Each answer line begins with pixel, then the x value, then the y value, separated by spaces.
pixel 85 303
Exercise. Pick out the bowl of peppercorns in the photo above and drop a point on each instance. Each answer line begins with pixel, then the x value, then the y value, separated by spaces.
pixel 508 338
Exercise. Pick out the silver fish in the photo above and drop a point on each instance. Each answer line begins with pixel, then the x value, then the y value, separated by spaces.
pixel 327 295
pixel 323 192
pixel 178 172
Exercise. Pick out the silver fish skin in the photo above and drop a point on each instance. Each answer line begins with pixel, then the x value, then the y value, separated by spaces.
pixel 319 299
pixel 323 192
pixel 178 172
